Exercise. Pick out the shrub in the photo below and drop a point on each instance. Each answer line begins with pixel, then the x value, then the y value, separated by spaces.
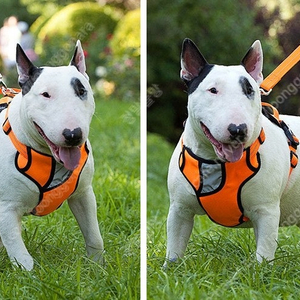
pixel 121 76
pixel 85 21
pixel 126 38
pixel 38 24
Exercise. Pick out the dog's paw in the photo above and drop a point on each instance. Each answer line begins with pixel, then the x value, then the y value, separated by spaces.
pixel 168 262
pixel 97 256
pixel 24 262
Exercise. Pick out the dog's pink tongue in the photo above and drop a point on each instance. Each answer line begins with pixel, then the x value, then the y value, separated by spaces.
pixel 70 157
pixel 232 153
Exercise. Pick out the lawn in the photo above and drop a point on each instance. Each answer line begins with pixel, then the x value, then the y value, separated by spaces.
pixel 62 269
pixel 219 262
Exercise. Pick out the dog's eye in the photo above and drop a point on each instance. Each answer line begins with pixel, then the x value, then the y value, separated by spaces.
pixel 46 95
pixel 249 90
pixel 213 90
pixel 81 91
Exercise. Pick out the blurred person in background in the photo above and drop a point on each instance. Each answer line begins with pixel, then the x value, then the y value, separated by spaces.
pixel 10 35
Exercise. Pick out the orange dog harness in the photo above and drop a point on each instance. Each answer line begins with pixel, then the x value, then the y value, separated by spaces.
pixel 55 183
pixel 218 185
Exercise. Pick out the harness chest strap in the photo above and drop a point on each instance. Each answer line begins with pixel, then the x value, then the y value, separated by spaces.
pixel 40 168
pixel 223 202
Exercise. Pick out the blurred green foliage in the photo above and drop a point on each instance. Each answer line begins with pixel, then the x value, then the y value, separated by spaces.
pixel 126 38
pixel 123 63
pixel 110 36
pixel 15 7
pixel 46 7
pixel 85 21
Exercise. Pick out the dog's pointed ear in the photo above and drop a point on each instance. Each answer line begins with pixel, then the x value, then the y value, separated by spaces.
pixel 253 62
pixel 78 60
pixel 24 65
pixel 192 61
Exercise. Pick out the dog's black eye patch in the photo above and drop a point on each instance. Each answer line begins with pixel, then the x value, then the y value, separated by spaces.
pixel 33 74
pixel 193 85
pixel 247 87
pixel 79 88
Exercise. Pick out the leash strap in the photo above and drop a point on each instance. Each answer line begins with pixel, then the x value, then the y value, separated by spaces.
pixel 271 80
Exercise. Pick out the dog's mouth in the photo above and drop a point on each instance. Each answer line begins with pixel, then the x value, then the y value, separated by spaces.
pixel 230 152
pixel 68 156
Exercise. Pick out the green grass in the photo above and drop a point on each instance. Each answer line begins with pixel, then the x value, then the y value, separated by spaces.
pixel 219 262
pixel 62 269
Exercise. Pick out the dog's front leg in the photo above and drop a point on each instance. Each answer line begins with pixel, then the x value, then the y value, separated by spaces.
pixel 83 206
pixel 10 231
pixel 266 225
pixel 179 227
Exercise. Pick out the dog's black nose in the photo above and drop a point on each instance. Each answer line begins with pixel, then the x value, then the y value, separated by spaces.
pixel 73 137
pixel 237 132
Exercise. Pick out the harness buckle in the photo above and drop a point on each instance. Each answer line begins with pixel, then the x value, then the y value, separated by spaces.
pixel 264 92
pixel 290 135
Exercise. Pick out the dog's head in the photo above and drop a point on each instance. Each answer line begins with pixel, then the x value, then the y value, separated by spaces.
pixel 224 101
pixel 57 106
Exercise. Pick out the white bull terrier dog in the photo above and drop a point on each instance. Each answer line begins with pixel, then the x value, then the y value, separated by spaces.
pixel 232 162
pixel 45 156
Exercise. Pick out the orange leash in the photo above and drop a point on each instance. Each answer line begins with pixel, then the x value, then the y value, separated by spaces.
pixel 271 80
